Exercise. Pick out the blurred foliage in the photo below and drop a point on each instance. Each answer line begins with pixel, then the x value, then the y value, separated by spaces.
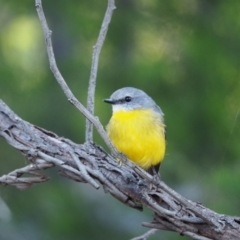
pixel 185 54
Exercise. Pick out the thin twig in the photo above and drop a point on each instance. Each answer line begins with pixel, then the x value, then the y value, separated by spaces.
pixel 94 68
pixel 146 235
pixel 82 173
pixel 83 170
pixel 58 76
pixel 14 178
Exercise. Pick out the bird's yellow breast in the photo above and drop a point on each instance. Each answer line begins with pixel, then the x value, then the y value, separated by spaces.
pixel 139 134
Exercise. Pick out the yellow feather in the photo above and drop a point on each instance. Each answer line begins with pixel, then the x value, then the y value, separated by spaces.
pixel 139 134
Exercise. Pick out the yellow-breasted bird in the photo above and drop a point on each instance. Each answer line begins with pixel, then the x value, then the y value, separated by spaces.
pixel 137 128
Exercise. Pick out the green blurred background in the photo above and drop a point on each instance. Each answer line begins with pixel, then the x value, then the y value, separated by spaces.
pixel 185 54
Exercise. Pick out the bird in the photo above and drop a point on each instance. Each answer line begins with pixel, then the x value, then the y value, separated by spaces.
pixel 136 128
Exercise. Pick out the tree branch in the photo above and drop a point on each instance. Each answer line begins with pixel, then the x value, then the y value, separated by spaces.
pixel 95 59
pixel 89 163
pixel 58 76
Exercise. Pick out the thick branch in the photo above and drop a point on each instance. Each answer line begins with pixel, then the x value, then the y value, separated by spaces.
pixel 91 164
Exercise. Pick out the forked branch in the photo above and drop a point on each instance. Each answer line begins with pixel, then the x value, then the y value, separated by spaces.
pixel 58 76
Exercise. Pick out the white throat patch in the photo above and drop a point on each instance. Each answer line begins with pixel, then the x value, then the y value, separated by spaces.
pixel 121 107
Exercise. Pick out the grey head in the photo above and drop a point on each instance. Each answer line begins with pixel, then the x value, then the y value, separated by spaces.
pixel 129 98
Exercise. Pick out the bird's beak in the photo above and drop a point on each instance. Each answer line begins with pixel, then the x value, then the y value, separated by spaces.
pixel 108 100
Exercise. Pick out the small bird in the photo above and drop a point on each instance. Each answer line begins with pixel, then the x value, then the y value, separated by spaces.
pixel 137 128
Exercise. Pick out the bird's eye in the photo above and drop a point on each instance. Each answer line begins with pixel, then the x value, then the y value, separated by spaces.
pixel 128 99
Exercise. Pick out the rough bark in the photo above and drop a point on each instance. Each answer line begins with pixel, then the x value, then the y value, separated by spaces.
pixel 89 163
